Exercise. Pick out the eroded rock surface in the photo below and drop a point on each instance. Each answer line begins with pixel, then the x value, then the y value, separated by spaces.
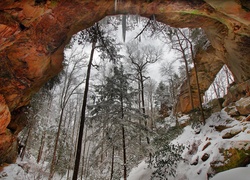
pixel 33 35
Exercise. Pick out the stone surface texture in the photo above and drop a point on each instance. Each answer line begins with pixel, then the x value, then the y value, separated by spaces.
pixel 33 35
pixel 243 106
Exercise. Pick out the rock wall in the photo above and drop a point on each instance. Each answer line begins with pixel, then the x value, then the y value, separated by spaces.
pixel 33 34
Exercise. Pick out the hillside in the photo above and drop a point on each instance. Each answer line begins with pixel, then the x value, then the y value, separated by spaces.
pixel 223 143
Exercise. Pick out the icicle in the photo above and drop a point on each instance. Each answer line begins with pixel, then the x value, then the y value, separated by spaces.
pixel 116 5
pixel 153 18
pixel 104 21
pixel 124 27
pixel 137 18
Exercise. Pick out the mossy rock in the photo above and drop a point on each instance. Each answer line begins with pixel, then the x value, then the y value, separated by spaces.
pixel 233 157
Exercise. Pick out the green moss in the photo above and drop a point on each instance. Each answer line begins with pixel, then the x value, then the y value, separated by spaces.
pixel 195 11
pixel 233 158
pixel 54 3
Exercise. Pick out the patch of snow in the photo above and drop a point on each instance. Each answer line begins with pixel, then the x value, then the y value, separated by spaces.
pixel 195 145
pixel 233 174
pixel 142 172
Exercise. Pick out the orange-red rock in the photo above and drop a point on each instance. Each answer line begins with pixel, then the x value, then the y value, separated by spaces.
pixel 4 115
pixel 33 35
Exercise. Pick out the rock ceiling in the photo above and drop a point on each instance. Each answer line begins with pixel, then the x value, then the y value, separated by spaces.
pixel 33 34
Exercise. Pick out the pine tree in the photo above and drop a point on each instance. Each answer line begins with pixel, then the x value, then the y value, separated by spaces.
pixel 115 115
pixel 162 99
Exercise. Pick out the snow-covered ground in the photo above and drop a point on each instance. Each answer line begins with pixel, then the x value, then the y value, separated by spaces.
pixel 206 140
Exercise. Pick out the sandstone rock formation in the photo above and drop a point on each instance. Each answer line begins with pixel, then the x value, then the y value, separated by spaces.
pixel 233 157
pixel 243 106
pixel 33 34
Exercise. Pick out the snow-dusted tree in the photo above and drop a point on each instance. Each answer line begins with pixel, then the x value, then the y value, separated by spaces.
pixel 195 40
pixel 181 46
pixel 70 84
pixel 140 57
pixel 162 97
pixel 115 116
pixel 100 39
pixel 150 87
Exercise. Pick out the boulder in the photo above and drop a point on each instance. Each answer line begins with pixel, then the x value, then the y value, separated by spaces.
pixel 4 115
pixel 194 161
pixel 237 91
pixel 205 157
pixel 8 150
pixel 33 35
pixel 243 106
pixel 206 145
pixel 238 155
pixel 229 133
pixel 232 111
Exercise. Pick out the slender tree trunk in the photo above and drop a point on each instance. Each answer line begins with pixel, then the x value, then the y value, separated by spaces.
pixel 124 155
pixel 196 77
pixel 80 136
pixel 152 112
pixel 186 68
pixel 144 111
pixel 86 170
pixel 217 96
pixel 227 74
pixel 142 96
pixel 84 149
pixel 53 162
pixel 199 93
pixel 25 144
pixel 112 163
pixel 123 137
pixel 41 147
pixel 139 105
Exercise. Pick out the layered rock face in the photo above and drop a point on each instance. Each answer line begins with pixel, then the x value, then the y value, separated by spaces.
pixel 33 34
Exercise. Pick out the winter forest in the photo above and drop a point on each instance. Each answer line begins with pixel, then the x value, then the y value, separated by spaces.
pixel 111 112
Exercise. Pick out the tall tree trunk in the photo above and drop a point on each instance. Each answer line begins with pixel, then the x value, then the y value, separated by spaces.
pixel 112 163
pixel 139 105
pixel 142 96
pixel 182 50
pixel 25 144
pixel 86 170
pixel 41 147
pixel 144 111
pixel 151 112
pixel 199 93
pixel 53 162
pixel 196 76
pixel 124 155
pixel 83 153
pixel 123 137
pixel 80 136
pixel 217 96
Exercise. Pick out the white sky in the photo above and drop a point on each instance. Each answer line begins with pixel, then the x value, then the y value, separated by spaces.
pixel 153 69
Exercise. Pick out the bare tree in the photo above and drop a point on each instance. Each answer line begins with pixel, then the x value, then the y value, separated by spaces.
pixel 98 38
pixel 140 59
pixel 150 87
pixel 194 44
pixel 69 88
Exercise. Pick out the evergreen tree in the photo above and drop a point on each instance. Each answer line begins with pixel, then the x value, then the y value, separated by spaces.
pixel 162 99
pixel 114 115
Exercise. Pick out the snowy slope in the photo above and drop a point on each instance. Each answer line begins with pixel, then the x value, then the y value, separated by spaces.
pixel 207 141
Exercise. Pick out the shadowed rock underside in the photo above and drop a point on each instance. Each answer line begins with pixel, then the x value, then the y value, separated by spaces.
pixel 33 35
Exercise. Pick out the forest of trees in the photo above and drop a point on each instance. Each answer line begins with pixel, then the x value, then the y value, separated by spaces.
pixel 104 113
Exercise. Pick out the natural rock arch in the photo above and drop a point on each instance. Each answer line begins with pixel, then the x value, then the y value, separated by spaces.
pixel 34 33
